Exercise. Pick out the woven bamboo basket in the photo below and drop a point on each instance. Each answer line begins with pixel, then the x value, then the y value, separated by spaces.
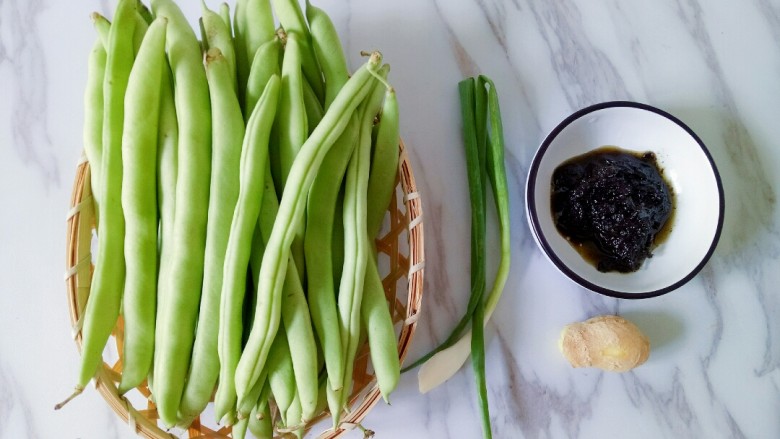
pixel 401 261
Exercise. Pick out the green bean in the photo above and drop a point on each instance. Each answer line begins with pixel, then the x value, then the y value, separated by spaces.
pixel 376 318
pixel 139 204
pixel 150 382
pixel 356 244
pixel 239 429
pixel 145 13
pixel 313 107
pixel 140 31
pixel 224 13
pixel 297 324
pixel 374 310
pixel 293 130
pixel 226 139
pixel 236 259
pixel 281 378
pixel 217 35
pixel 176 327
pixel 292 127
pixel 293 424
pixel 167 170
pixel 337 242
pixel 328 50
pixel 335 404
pixel 291 17
pixel 264 65
pixel 104 301
pixel 261 424
pixel 253 25
pixel 93 116
pixel 291 209
pixel 250 402
pixel 265 223
pixel 384 165
pixel 262 402
pixel 320 213
pixel 103 28
pixel 248 309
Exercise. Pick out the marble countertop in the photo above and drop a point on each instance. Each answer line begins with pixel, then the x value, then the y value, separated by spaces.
pixel 714 371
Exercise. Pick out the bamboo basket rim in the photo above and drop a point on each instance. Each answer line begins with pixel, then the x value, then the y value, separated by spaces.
pixel 143 421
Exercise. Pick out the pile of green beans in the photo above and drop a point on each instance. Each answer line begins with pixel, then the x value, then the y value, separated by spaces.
pixel 244 152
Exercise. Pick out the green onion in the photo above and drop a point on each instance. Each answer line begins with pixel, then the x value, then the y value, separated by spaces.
pixel 484 141
pixel 473 107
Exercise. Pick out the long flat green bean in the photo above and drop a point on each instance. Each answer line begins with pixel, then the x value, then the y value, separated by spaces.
pixel 93 116
pixel 227 139
pixel 374 310
pixel 291 16
pixel 145 12
pixel 250 402
pixel 141 27
pixel 217 35
pixel 356 245
pixel 139 205
pixel 293 416
pixel 297 324
pixel 253 25
pixel 239 429
pixel 292 123
pixel 224 13
pixel 261 424
pixel 253 165
pixel 320 214
pixel 314 111
pixel 167 169
pixel 176 329
pixel 384 165
pixel 104 300
pixel 281 377
pixel 292 127
pixel 376 318
pixel 328 50
pixel 264 65
pixel 102 27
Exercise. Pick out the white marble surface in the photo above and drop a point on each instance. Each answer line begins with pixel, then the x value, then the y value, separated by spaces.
pixel 714 369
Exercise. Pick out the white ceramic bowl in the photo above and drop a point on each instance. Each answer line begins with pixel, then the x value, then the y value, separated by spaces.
pixel 687 166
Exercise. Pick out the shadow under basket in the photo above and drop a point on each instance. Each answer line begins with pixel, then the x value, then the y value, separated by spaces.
pixel 401 262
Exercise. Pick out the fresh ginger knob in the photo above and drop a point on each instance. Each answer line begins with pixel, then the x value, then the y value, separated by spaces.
pixel 607 342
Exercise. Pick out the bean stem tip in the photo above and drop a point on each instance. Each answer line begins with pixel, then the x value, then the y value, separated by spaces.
pixel 75 393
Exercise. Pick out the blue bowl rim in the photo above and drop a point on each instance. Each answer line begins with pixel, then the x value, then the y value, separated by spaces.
pixel 547 248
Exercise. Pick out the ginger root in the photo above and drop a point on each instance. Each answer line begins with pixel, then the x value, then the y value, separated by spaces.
pixel 607 342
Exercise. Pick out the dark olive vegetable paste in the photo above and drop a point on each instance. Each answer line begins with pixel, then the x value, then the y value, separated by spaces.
pixel 612 205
